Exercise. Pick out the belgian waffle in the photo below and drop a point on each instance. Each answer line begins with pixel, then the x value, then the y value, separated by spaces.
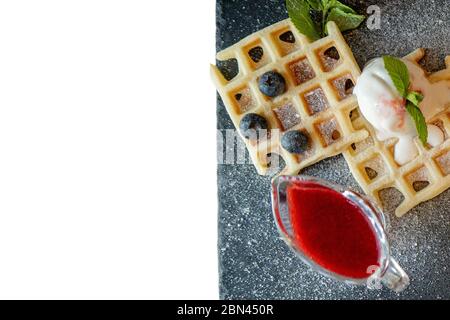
pixel 319 75
pixel 372 161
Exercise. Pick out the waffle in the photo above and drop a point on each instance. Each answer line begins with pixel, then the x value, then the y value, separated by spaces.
pixel 372 161
pixel 319 77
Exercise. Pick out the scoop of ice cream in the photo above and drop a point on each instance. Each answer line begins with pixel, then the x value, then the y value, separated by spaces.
pixel 382 105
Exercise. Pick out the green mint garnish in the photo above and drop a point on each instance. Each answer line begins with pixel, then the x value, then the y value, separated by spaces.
pixel 298 11
pixel 345 20
pixel 414 97
pixel 419 120
pixel 329 10
pixel 399 74
pixel 400 77
pixel 315 4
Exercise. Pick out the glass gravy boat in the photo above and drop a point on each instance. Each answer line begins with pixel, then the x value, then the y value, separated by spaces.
pixel 388 273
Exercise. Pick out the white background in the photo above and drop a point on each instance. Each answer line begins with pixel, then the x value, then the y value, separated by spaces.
pixel 107 149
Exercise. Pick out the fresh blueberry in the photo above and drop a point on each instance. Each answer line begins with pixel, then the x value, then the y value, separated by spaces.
pixel 250 125
pixel 272 84
pixel 295 142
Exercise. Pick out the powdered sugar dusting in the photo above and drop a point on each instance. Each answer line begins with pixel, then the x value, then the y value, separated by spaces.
pixel 344 86
pixel 444 162
pixel 316 101
pixel 329 131
pixel 301 71
pixel 288 116
pixel 377 165
pixel 244 100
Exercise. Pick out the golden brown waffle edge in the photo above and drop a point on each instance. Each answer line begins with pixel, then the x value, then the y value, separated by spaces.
pixel 326 122
pixel 373 166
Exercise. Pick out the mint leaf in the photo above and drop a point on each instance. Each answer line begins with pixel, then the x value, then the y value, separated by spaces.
pixel 419 120
pixel 315 4
pixel 298 11
pixel 400 77
pixel 399 74
pixel 326 4
pixel 343 7
pixel 301 12
pixel 414 97
pixel 330 4
pixel 344 20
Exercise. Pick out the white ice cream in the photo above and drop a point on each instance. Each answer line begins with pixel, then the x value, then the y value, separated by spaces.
pixel 381 104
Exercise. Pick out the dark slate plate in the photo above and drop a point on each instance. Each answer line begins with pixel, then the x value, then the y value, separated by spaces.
pixel 254 262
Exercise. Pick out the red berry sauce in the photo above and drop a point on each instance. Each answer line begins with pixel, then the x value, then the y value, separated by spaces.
pixel 331 230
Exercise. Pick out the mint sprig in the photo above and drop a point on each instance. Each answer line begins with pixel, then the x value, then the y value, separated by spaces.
pixel 345 20
pixel 399 74
pixel 400 77
pixel 300 12
pixel 419 120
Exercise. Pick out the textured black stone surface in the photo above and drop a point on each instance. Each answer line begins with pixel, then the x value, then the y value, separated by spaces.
pixel 254 261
